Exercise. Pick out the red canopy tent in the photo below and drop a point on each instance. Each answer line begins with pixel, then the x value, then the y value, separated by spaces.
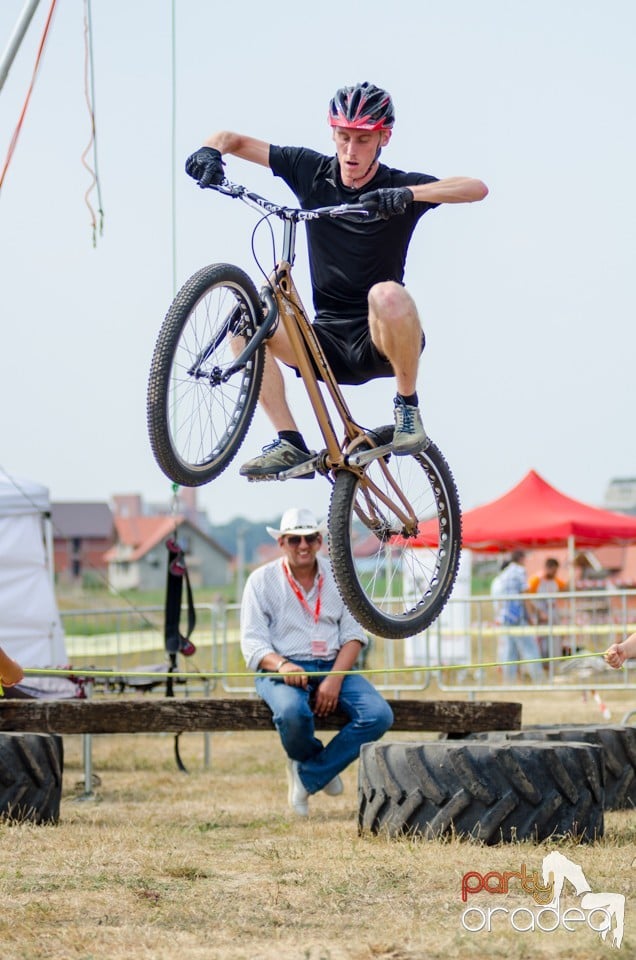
pixel 535 514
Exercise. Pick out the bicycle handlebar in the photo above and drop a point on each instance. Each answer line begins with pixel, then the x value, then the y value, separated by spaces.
pixel 345 211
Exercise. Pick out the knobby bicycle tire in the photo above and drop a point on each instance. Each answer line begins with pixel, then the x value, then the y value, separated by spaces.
pixel 394 588
pixel 196 421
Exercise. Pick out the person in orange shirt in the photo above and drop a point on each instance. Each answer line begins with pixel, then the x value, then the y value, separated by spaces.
pixel 543 608
pixel 10 671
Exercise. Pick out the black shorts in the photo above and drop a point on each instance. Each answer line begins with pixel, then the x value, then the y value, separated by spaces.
pixel 350 351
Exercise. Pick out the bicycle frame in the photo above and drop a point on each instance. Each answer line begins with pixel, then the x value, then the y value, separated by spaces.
pixel 283 302
pixel 206 374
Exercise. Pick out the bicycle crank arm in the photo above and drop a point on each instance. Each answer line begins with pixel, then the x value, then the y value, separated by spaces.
pixel 364 457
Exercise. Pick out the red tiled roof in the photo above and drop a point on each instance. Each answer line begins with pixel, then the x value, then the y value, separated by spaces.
pixel 141 534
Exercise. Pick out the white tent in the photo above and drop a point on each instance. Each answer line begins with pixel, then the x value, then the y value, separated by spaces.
pixel 423 649
pixel 30 626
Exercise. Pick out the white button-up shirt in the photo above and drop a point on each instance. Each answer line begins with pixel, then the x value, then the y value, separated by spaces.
pixel 274 620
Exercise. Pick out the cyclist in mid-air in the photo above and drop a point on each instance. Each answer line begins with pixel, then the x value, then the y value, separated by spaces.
pixel 366 321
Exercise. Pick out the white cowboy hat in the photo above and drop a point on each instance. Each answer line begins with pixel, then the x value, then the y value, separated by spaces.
pixel 297 520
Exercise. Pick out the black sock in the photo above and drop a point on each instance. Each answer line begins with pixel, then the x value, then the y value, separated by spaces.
pixel 295 438
pixel 411 400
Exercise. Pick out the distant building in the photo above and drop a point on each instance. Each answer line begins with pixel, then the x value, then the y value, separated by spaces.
pixel 620 495
pixel 130 505
pixel 125 547
pixel 82 533
pixel 138 559
pixel 184 502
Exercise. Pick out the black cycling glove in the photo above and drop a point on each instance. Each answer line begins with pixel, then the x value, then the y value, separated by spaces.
pixel 388 201
pixel 205 166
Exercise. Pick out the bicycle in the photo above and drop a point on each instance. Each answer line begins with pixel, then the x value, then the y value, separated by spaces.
pixel 203 388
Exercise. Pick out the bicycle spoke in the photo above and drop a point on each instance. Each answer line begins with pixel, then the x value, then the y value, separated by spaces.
pixel 196 418
pixel 392 584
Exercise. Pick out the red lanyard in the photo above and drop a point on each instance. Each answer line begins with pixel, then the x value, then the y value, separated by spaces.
pixel 301 596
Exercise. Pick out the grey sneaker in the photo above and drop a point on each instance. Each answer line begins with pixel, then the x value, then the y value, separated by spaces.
pixel 409 435
pixel 276 457
pixel 334 788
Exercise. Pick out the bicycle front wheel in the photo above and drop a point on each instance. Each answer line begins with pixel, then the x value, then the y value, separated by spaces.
pixel 392 585
pixel 197 419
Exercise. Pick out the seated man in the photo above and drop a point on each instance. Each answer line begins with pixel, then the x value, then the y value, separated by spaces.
pixel 294 624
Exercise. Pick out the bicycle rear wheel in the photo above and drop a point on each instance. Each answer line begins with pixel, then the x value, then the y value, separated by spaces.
pixel 392 586
pixel 196 420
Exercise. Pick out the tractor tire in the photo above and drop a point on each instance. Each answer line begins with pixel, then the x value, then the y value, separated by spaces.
pixel 490 791
pixel 619 753
pixel 31 767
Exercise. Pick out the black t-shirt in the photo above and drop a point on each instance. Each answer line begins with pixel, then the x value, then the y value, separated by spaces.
pixel 347 258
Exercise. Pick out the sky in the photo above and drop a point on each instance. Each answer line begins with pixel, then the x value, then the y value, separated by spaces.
pixel 527 298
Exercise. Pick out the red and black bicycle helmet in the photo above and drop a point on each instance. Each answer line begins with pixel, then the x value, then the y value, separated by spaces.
pixel 362 107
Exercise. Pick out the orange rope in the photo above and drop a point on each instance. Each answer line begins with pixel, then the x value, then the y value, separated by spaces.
pixel 18 128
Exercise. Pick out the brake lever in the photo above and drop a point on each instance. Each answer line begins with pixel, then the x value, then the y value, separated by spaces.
pixel 349 211
pixel 227 188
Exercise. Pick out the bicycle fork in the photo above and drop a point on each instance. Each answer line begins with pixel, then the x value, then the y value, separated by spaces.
pixel 264 330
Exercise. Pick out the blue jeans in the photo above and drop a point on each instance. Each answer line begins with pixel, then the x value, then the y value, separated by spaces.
pixel 514 647
pixel 369 713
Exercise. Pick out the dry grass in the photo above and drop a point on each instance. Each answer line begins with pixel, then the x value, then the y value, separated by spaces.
pixel 212 866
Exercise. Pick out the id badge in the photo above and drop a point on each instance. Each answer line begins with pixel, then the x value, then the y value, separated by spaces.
pixel 318 647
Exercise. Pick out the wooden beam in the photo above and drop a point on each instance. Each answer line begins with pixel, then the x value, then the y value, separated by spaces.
pixel 176 715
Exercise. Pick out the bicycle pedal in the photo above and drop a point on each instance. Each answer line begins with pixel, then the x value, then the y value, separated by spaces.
pixel 302 471
pixel 294 474
pixel 282 476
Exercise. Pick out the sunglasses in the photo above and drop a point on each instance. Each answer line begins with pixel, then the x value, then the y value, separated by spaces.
pixel 294 540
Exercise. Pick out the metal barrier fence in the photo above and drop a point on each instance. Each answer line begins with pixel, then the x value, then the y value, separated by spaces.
pixel 463 650
pixel 580 622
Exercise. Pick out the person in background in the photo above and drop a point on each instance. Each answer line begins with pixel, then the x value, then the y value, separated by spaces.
pixel 618 653
pixel 296 632
pixel 496 592
pixel 513 611
pixel 10 671
pixel 544 610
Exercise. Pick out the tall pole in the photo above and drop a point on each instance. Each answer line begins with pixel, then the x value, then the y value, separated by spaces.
pixel 16 39
pixel 240 562
pixel 173 140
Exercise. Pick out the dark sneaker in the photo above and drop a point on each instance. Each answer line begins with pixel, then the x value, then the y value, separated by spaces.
pixel 278 456
pixel 409 435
